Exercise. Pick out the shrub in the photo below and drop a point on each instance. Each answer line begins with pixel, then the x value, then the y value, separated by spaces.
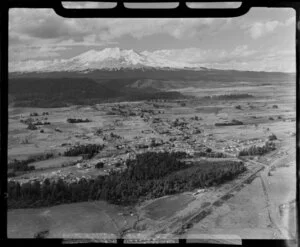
pixel 42 234
pixel 99 165
pixel 99 131
pixel 31 126
pixel 272 137
pixel 25 141
pixel 118 164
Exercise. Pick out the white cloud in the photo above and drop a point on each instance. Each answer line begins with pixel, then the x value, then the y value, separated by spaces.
pixel 42 34
pixel 240 58
pixel 109 29
pixel 198 55
pixel 35 34
pixel 20 53
pixel 46 25
pixel 290 21
pixel 260 28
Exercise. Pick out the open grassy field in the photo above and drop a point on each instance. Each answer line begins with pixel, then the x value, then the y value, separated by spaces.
pixel 87 217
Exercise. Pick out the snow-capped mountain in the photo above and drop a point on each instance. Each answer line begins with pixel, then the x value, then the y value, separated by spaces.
pixel 106 59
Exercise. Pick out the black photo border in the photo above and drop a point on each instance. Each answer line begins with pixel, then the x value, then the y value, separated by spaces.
pixel 121 12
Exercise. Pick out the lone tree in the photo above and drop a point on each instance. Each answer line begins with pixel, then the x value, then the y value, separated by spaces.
pixel 41 234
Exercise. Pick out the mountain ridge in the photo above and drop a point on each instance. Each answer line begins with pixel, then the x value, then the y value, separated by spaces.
pixel 107 59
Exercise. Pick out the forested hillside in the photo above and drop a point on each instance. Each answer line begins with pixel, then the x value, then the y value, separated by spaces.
pixel 54 92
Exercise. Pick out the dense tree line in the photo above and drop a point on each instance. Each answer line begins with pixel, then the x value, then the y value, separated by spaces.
pixel 256 150
pixel 18 166
pixel 233 122
pixel 142 94
pixel 41 123
pixel 78 120
pixel 23 165
pixel 151 165
pixel 151 175
pixel 229 96
pixel 85 149
pixel 210 154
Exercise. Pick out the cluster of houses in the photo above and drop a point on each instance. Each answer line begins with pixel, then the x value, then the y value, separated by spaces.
pixel 241 144
pixel 55 175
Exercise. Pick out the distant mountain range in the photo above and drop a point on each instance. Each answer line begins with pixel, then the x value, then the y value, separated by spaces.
pixel 113 74
pixel 107 59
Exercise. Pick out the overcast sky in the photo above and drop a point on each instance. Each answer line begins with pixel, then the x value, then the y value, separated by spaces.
pixel 263 39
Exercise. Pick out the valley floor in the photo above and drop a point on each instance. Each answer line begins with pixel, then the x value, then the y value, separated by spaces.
pixel 258 204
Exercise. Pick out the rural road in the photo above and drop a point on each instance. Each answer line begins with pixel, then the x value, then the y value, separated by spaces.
pixel 273 211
